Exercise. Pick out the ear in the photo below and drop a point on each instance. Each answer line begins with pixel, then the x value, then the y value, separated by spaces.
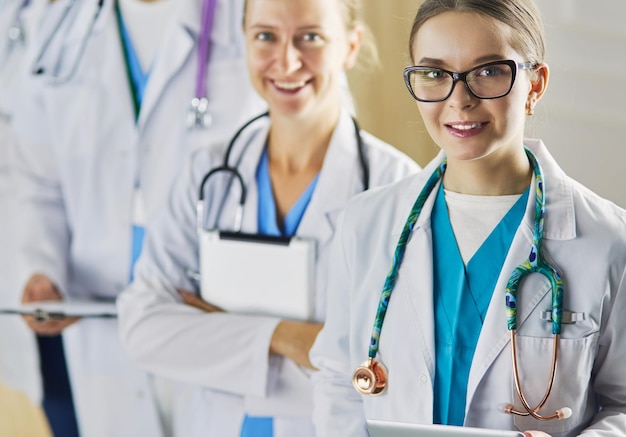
pixel 538 84
pixel 355 40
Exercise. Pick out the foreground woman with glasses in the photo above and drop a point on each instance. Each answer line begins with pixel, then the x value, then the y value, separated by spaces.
pixel 488 290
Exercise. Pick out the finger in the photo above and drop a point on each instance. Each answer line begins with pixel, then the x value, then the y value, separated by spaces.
pixel 193 300
pixel 49 327
pixel 40 287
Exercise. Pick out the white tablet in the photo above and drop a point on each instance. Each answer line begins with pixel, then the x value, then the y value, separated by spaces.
pixel 381 428
pixel 258 274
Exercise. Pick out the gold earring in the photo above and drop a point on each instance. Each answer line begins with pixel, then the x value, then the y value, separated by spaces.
pixel 529 108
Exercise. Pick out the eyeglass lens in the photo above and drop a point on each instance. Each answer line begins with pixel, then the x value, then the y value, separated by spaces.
pixel 488 82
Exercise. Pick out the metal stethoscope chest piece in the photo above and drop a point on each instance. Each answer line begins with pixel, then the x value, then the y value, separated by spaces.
pixel 371 377
pixel 198 115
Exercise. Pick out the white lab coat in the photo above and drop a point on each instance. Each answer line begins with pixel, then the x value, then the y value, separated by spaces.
pixel 228 353
pixel 79 155
pixel 18 363
pixel 584 235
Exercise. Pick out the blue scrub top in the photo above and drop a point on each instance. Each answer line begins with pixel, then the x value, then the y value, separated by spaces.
pixel 268 225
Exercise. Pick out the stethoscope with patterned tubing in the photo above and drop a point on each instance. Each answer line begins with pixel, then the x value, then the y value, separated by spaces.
pixel 371 377
pixel 198 115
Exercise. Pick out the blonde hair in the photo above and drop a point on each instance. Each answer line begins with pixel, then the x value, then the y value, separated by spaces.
pixel 368 56
pixel 522 16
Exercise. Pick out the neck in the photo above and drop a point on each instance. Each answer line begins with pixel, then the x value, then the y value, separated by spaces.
pixel 505 174
pixel 296 144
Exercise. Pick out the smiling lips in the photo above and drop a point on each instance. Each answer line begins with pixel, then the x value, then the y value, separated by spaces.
pixel 289 86
pixel 465 129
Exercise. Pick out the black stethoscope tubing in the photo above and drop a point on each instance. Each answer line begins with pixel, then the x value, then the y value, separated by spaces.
pixel 227 168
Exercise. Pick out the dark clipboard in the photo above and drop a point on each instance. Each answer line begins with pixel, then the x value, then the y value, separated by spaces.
pixel 47 310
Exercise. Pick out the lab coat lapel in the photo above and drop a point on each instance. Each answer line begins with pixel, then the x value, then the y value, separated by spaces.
pixel 559 224
pixel 494 334
pixel 81 19
pixel 414 286
pixel 179 44
pixel 339 180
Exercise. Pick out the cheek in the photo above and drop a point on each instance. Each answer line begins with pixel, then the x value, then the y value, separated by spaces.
pixel 430 114
pixel 328 61
pixel 512 109
pixel 257 57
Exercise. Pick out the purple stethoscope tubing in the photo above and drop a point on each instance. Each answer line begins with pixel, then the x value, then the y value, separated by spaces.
pixel 204 46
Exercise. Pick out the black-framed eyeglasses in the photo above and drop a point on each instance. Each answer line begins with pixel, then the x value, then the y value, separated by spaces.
pixel 487 81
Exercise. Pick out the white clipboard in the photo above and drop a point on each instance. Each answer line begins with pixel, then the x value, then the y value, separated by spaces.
pixel 382 428
pixel 46 310
pixel 258 274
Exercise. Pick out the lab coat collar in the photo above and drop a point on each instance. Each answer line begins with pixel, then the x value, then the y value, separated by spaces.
pixel 340 173
pixel 81 18
pixel 177 46
pixel 560 220
pixel 411 194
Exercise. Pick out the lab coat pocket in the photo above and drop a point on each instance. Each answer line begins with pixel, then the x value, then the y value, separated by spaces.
pixel 571 382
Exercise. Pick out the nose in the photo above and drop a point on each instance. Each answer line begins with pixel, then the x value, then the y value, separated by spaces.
pixel 290 60
pixel 461 97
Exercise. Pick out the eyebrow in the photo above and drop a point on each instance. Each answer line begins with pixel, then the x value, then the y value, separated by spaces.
pixel 261 27
pixel 483 59
pixel 306 28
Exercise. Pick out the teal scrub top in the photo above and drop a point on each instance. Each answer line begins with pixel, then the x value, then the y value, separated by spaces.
pixel 461 299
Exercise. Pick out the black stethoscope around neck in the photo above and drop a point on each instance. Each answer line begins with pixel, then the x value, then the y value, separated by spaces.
pixel 226 167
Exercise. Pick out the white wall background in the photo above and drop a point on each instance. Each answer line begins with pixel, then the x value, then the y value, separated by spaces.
pixel 582 117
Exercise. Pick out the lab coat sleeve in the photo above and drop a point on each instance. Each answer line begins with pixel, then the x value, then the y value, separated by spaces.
pixel 42 230
pixel 338 408
pixel 221 351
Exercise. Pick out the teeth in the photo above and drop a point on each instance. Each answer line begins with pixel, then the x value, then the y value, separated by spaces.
pixel 466 126
pixel 289 85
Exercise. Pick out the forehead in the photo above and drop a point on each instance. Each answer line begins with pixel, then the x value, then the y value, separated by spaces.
pixel 460 40
pixel 293 13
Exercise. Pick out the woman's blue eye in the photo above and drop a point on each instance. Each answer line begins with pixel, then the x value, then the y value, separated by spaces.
pixel 311 37
pixel 265 36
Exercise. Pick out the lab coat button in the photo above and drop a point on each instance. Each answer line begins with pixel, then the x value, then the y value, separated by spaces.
pixel 423 378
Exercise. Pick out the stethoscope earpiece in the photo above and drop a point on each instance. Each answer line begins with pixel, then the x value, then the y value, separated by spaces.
pixel 370 378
